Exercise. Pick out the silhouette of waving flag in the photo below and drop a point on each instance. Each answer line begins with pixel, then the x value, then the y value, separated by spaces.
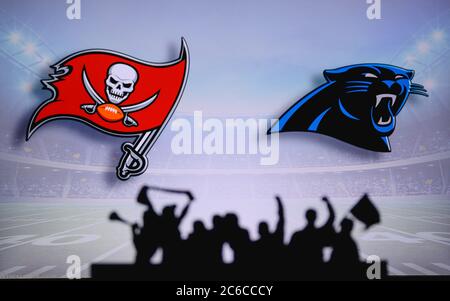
pixel 366 212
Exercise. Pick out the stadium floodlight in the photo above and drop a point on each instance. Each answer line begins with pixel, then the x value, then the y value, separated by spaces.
pixel 30 48
pixel 410 59
pixel 15 37
pixel 429 83
pixel 46 60
pixel 423 47
pixel 26 87
pixel 438 35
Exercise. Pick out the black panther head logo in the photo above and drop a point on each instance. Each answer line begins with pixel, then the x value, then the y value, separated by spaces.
pixel 358 104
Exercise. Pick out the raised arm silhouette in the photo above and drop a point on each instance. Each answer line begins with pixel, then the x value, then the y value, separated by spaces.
pixel 306 246
pixel 269 249
pixel 171 238
pixel 146 238
pixel 199 257
pixel 183 212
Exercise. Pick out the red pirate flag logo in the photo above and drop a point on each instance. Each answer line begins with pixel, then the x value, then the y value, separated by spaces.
pixel 117 94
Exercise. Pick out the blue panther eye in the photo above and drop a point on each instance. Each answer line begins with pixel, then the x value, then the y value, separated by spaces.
pixel 370 75
pixel 400 76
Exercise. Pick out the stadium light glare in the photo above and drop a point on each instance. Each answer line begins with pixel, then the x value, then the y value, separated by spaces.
pixel 410 59
pixel 14 38
pixel 26 87
pixel 438 35
pixel 429 83
pixel 30 48
pixel 423 47
pixel 46 60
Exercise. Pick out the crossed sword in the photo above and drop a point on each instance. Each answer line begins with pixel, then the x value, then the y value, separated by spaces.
pixel 134 159
pixel 127 120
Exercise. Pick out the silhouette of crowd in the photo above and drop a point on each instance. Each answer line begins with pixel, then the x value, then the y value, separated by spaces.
pixel 200 255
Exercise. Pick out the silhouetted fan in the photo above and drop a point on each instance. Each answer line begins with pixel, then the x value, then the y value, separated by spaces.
pixel 345 255
pixel 114 216
pixel 199 256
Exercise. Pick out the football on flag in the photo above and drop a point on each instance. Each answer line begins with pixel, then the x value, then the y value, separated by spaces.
pixel 110 112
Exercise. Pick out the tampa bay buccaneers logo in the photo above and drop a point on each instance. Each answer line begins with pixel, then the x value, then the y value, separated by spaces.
pixel 117 94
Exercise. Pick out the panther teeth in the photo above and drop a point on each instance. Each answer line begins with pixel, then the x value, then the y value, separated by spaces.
pixel 381 122
pixel 381 96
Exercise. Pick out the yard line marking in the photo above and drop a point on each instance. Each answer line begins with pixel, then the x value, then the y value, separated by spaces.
pixel 435 207
pixel 417 219
pixel 442 265
pixel 48 221
pixel 10 271
pixel 414 235
pixel 50 235
pixel 5 210
pixel 414 210
pixel 420 269
pixel 105 255
pixel 20 216
pixel 394 271
pixel 39 272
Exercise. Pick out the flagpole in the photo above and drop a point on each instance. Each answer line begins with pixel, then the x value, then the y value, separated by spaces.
pixel 134 159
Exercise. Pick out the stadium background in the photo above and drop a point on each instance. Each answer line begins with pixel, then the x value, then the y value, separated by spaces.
pixel 247 60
